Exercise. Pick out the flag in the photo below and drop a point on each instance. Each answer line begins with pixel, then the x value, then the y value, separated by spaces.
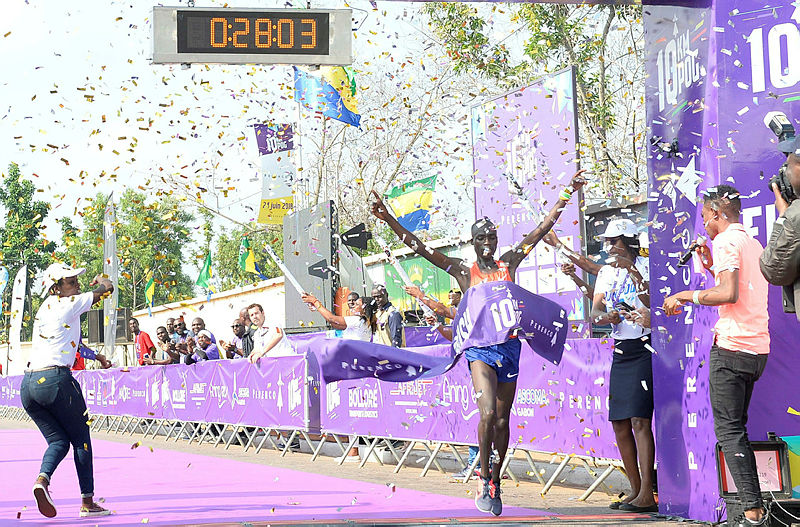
pixel 333 95
pixel 247 259
pixel 150 292
pixel 412 202
pixel 204 280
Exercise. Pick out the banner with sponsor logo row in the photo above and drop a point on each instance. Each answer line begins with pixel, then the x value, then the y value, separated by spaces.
pixel 558 408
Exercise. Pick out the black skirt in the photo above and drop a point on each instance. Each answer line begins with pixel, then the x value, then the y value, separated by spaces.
pixel 630 386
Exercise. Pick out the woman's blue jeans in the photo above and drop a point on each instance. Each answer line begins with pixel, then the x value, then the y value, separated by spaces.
pixel 53 399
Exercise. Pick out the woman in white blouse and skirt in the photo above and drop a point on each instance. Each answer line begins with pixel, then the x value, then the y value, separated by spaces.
pixel 50 395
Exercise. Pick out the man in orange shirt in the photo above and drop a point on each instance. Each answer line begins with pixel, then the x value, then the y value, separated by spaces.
pixel 741 343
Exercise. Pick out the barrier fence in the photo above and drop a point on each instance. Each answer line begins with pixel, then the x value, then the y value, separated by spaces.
pixel 560 410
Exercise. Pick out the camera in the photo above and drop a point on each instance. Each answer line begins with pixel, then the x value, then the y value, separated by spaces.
pixel 782 127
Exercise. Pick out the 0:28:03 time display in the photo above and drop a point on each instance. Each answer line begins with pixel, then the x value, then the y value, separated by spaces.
pixel 243 32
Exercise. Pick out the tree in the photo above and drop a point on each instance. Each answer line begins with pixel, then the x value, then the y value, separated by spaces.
pixel 151 237
pixel 604 43
pixel 21 238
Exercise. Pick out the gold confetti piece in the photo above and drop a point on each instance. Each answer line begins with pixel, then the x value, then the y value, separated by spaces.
pixel 41 380
pixel 792 411
pixel 136 445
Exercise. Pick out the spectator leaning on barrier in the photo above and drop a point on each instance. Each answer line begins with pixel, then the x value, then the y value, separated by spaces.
pixel 780 261
pixel 390 321
pixel 233 347
pixel 169 354
pixel 267 339
pixel 741 344
pixel 621 289
pixel 204 349
pixel 249 331
pixel 143 344
pixel 170 327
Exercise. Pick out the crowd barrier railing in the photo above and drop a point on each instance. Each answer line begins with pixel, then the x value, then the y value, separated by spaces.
pixel 560 410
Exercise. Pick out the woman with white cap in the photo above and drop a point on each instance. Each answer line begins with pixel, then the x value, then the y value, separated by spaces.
pixel 50 395
pixel 621 291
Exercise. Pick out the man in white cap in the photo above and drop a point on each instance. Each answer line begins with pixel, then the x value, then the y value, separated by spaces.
pixel 49 393
pixel 622 288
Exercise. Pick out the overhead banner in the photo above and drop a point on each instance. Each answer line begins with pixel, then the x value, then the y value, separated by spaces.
pixel 530 136
pixel 712 76
pixel 276 146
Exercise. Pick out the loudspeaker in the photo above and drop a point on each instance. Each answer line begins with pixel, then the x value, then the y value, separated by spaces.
pixel 308 238
pixel 95 321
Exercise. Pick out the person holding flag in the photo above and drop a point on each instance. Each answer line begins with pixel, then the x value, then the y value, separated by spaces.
pixel 495 368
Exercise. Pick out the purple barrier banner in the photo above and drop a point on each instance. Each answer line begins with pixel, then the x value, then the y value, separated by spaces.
pixel 531 135
pixel 279 392
pixel 712 76
pixel 558 408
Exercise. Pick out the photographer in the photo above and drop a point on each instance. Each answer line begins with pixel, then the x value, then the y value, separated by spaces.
pixel 780 261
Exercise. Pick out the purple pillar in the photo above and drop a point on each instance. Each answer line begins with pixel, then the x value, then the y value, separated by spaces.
pixel 714 72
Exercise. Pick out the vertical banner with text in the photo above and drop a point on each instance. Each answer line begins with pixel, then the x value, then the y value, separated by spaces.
pixel 275 146
pixel 531 135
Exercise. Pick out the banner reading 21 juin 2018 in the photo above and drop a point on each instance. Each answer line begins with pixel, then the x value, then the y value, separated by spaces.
pixel 275 146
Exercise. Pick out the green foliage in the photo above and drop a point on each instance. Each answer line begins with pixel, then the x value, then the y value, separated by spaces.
pixel 151 236
pixel 21 239
pixel 559 36
pixel 225 259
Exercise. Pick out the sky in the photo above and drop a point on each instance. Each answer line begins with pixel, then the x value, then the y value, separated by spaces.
pixel 83 110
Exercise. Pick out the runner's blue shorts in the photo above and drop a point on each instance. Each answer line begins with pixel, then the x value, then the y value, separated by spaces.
pixel 503 358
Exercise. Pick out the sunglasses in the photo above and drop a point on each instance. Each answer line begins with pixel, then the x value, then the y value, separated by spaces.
pixel 237 326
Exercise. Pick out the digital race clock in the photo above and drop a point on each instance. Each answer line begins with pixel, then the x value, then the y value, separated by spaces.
pixel 252 36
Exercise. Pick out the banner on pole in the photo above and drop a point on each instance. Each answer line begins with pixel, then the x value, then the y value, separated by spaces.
pixel 110 269
pixel 18 291
pixel 275 145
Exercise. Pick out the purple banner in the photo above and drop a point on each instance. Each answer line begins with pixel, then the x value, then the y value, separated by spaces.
pixel 490 312
pixel 735 57
pixel 278 392
pixel 531 134
pixel 273 138
pixel 561 408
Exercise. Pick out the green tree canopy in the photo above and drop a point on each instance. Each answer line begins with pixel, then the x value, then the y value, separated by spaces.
pixel 21 238
pixel 152 236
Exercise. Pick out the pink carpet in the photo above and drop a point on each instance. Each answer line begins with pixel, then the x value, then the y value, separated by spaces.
pixel 169 487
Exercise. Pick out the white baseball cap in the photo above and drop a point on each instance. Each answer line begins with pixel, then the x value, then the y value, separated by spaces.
pixel 621 227
pixel 59 271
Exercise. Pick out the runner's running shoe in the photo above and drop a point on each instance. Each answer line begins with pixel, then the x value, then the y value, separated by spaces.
pixel 494 494
pixel 483 498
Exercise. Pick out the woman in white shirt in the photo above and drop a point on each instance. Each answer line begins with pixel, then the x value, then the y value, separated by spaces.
pixel 50 395
pixel 358 326
pixel 621 294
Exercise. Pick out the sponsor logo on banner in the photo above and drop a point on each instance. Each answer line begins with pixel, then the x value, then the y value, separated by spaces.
pixel 155 393
pixel 220 392
pixel 164 393
pixel 198 394
pixel 459 395
pixel 363 402
pixel 333 396
pixel 295 394
pixel 125 394
pixel 179 398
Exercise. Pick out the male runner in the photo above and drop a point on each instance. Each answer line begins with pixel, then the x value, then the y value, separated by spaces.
pixel 494 369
